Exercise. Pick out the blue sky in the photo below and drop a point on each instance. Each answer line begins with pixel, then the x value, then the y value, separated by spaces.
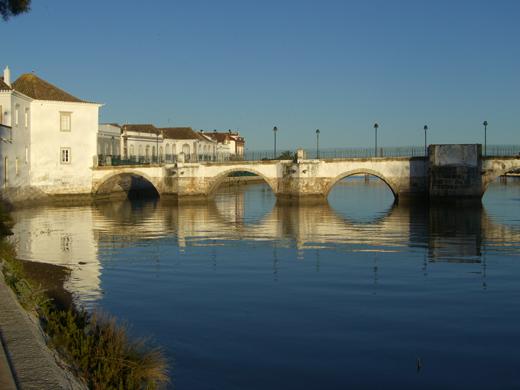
pixel 300 65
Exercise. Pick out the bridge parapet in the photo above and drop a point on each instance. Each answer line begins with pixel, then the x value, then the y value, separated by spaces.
pixel 442 174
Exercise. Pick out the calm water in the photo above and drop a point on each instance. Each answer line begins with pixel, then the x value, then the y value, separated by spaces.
pixel 246 294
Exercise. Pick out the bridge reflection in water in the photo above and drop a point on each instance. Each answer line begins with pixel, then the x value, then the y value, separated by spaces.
pixel 82 237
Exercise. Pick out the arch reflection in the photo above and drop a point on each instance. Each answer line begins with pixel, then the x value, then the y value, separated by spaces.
pixel 83 238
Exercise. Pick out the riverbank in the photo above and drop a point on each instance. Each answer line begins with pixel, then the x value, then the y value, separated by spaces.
pixel 32 364
pixel 51 344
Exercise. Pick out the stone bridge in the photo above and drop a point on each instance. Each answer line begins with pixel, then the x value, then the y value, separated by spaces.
pixel 448 171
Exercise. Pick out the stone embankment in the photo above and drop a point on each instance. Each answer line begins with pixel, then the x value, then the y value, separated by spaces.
pixel 25 360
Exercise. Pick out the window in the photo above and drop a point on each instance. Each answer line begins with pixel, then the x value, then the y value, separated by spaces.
pixel 106 149
pixel 160 151
pixel 16 171
pixel 131 150
pixel 147 151
pixel 16 115
pixel 65 155
pixel 26 118
pixel 65 121
pixel 140 151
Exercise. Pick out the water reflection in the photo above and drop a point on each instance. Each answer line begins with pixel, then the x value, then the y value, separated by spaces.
pixel 75 236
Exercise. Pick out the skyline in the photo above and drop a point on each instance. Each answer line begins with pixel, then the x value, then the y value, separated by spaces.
pixel 333 66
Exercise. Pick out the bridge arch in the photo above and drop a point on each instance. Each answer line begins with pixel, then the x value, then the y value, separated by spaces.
pixel 217 180
pixel 126 181
pixel 362 171
pixel 499 168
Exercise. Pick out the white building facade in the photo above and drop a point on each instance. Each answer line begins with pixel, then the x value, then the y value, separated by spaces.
pixel 109 140
pixel 15 143
pixel 145 143
pixel 54 140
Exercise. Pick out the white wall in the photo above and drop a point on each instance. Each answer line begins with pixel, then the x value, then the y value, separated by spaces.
pixel 15 144
pixel 48 173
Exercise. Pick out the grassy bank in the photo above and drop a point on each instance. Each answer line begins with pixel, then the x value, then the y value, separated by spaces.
pixel 95 345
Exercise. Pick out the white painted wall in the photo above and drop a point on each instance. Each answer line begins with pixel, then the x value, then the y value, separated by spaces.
pixel 48 173
pixel 15 142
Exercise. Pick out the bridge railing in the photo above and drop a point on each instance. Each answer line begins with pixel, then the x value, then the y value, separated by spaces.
pixel 502 150
pixel 325 153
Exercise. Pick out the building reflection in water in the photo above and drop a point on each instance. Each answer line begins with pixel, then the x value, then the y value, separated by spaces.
pixel 75 236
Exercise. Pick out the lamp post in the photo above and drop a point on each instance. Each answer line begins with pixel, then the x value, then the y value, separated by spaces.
pixel 275 130
pixel 157 146
pixel 376 126
pixel 485 123
pixel 425 140
pixel 317 143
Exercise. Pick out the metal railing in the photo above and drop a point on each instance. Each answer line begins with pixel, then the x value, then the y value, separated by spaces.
pixel 325 153
pixel 389 151
pixel 502 150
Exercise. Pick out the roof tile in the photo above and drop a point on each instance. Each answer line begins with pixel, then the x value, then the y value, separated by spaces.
pixel 31 85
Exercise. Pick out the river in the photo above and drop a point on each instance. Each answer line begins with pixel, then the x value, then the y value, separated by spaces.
pixel 244 293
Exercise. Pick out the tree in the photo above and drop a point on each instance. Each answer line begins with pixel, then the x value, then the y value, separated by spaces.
pixel 10 8
pixel 287 155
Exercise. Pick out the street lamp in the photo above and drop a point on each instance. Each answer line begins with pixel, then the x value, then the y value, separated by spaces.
pixel 376 126
pixel 275 129
pixel 425 141
pixel 485 123
pixel 157 146
pixel 317 143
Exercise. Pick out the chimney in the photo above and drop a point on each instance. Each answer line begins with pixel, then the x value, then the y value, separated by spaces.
pixel 7 76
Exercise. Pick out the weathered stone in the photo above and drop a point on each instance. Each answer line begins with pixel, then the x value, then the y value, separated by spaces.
pixel 450 171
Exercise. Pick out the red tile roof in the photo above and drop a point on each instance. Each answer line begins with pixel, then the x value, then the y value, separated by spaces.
pixel 31 85
pixel 3 85
pixel 179 133
pixel 141 128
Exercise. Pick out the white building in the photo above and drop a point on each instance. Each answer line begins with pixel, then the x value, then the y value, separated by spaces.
pixel 141 142
pixel 109 140
pixel 15 143
pixel 194 146
pixel 147 143
pixel 53 133
pixel 230 144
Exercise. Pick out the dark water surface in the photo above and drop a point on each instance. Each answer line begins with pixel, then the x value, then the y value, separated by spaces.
pixel 247 294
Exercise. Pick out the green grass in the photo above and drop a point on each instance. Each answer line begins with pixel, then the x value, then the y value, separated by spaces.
pixel 96 345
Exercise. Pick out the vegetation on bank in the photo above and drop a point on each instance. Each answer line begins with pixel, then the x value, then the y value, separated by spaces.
pixel 95 345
